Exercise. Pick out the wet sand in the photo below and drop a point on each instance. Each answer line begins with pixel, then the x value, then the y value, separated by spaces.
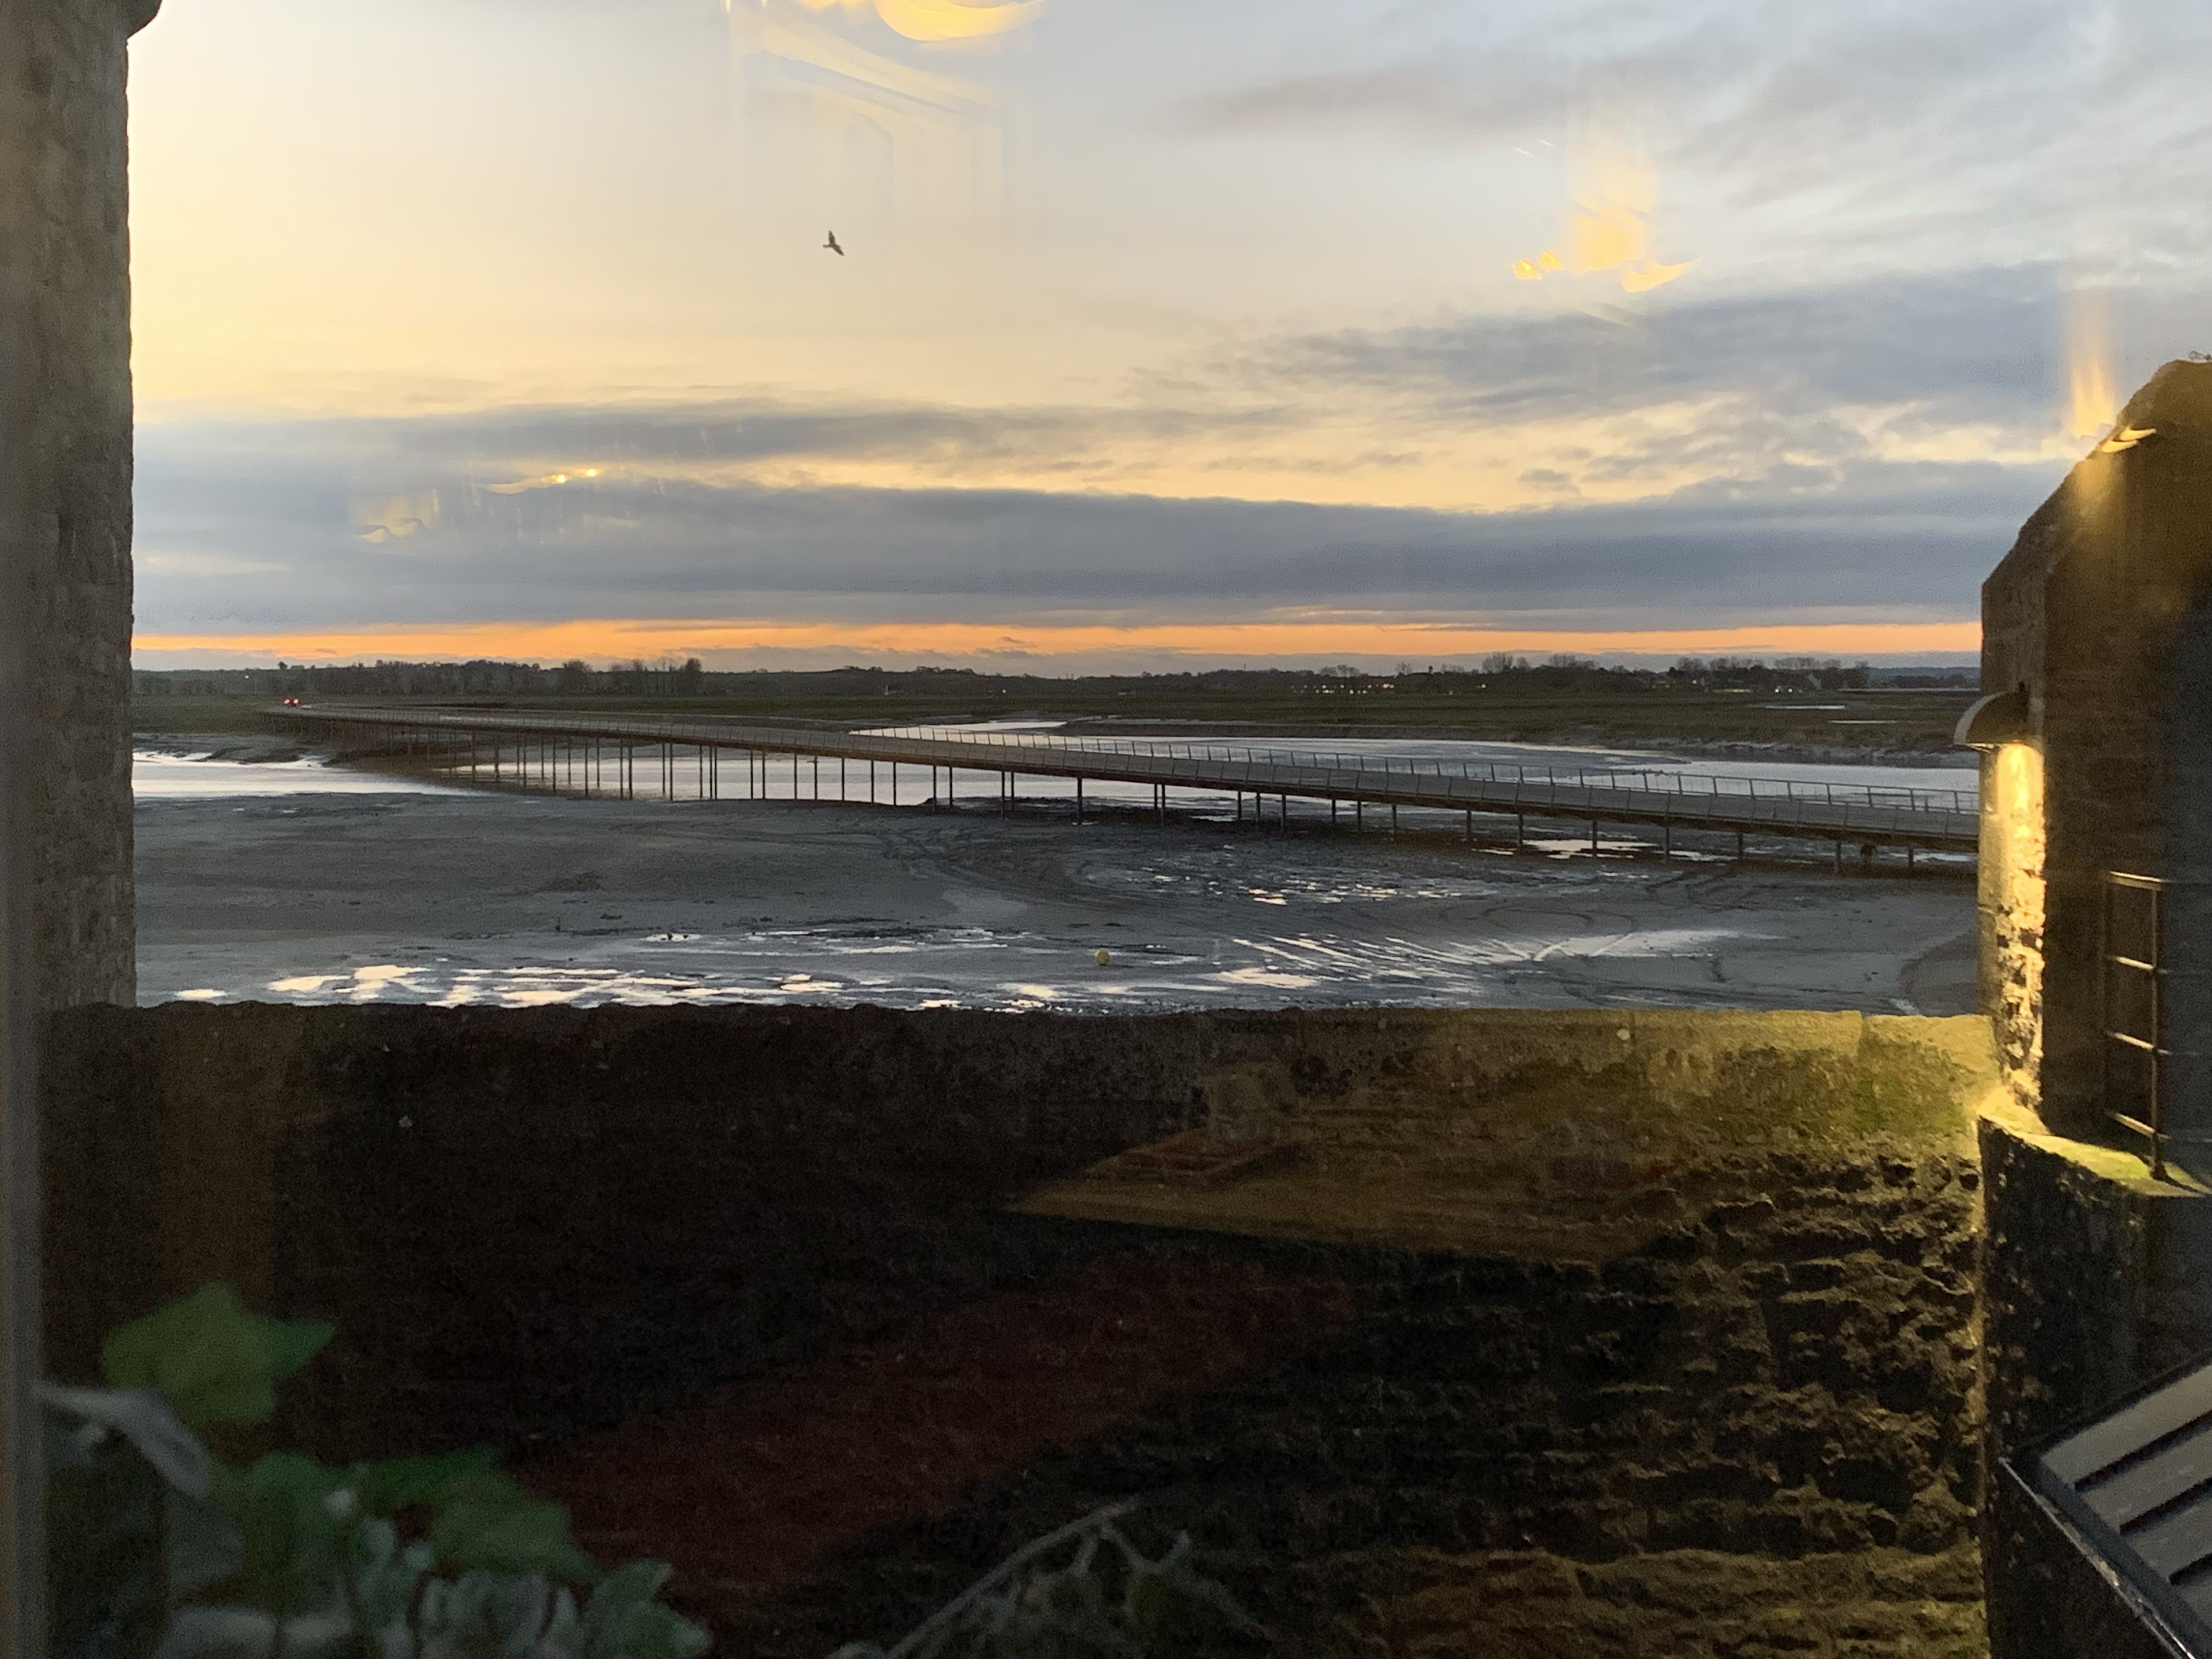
pixel 498 899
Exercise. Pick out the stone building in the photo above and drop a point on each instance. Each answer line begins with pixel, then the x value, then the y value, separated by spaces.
pixel 2097 654
pixel 2096 865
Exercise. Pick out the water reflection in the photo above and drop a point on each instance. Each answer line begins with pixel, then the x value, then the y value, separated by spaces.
pixel 203 776
pixel 1008 971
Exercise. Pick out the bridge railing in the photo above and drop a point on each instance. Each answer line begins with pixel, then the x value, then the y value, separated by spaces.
pixel 1645 779
pixel 1776 800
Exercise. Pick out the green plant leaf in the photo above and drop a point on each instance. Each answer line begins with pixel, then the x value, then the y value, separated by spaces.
pixel 426 1483
pixel 212 1360
pixel 292 1532
pixel 489 1524
pixel 616 1603
pixel 623 1621
pixel 658 1632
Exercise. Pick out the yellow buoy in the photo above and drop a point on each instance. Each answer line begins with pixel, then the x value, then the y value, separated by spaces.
pixel 1105 957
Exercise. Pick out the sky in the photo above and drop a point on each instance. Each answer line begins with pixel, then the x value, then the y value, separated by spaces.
pixel 1163 334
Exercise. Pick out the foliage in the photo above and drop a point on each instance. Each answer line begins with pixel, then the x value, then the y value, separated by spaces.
pixel 1114 1600
pixel 212 1361
pixel 160 1550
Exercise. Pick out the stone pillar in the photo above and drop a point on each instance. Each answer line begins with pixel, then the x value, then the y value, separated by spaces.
pixel 66 931
pixel 65 362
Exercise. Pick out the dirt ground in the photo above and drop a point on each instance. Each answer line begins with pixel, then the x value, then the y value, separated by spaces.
pixel 512 900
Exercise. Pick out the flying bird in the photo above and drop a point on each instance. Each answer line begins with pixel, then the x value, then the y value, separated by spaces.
pixel 832 245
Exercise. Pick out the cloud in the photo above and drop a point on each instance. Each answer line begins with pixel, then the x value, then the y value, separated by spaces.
pixel 1910 543
pixel 1888 134
pixel 1973 344
pixel 1462 412
pixel 1423 102
pixel 1858 453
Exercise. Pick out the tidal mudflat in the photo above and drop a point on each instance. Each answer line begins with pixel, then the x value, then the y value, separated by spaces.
pixel 465 898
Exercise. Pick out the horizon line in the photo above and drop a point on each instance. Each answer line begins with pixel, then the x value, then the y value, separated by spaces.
pixel 1190 647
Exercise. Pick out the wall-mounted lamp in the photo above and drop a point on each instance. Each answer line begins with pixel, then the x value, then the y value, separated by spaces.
pixel 1993 721
pixel 2126 437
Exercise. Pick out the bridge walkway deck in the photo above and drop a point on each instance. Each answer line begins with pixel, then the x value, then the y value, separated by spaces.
pixel 1930 819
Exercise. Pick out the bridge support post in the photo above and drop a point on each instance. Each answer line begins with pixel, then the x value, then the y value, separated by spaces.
pixel 1469 826
pixel 1594 838
pixel 1078 801
pixel 1666 838
pixel 1520 832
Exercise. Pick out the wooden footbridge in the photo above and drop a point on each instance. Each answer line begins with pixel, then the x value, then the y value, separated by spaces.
pixel 604 754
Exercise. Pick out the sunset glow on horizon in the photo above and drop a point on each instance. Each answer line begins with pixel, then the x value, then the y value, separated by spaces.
pixel 1037 649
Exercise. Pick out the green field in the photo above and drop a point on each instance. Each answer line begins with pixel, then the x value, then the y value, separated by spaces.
pixel 1884 721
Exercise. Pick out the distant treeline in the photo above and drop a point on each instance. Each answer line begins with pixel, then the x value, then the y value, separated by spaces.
pixel 688 679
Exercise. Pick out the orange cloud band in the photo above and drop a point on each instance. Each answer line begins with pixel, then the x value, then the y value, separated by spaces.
pixel 1310 640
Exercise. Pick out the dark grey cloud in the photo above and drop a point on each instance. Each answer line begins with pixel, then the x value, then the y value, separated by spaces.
pixel 1963 345
pixel 722 431
pixel 1900 543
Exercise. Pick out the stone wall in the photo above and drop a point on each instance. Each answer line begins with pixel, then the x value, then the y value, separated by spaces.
pixel 2091 1282
pixel 1754 1434
pixel 1623 1304
pixel 527 1223
pixel 64 290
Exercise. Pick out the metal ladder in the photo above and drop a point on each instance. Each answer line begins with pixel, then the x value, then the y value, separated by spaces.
pixel 2147 1042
